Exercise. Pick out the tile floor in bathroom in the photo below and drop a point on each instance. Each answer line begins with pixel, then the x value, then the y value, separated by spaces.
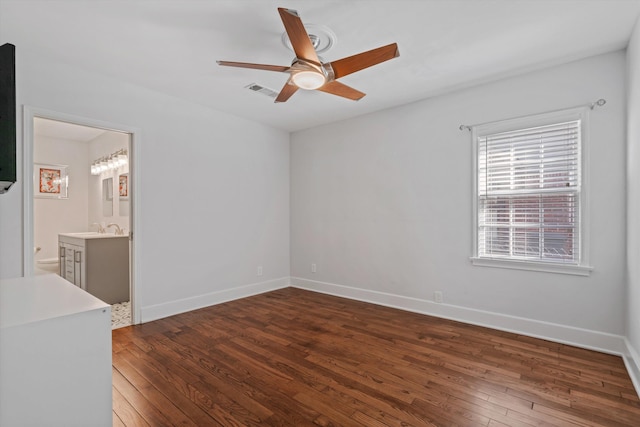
pixel 120 315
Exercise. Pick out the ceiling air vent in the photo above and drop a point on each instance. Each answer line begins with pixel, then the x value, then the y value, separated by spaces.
pixel 263 90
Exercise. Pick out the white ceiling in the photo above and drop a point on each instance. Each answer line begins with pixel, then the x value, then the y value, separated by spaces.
pixel 171 46
pixel 63 130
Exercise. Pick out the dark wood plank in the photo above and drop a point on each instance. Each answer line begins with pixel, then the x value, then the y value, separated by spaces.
pixel 173 412
pixel 124 412
pixel 143 405
pixel 293 357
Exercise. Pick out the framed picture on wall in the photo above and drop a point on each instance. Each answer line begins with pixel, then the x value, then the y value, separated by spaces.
pixel 123 186
pixel 50 181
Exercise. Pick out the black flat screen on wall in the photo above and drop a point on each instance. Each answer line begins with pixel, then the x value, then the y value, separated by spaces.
pixel 7 116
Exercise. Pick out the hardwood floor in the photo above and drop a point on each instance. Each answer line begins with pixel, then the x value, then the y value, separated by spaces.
pixel 295 358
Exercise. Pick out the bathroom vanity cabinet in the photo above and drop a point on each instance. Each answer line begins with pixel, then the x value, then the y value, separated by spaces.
pixel 97 263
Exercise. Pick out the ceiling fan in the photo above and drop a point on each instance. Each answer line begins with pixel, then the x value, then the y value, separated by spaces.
pixel 308 72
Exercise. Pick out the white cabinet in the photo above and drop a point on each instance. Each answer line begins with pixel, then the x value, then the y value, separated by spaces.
pixel 97 263
pixel 55 355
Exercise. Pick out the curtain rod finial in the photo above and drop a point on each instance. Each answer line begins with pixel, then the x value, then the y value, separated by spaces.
pixel 600 102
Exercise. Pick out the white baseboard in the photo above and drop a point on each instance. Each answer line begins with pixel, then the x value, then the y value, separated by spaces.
pixel 592 340
pixel 158 311
pixel 632 362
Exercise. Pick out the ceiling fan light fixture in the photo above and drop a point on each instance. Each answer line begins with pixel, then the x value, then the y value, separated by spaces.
pixel 308 80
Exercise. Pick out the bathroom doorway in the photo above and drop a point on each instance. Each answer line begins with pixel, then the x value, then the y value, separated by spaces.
pixel 80 183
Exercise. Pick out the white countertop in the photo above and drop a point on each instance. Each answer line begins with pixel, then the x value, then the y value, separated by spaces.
pixel 93 235
pixel 31 299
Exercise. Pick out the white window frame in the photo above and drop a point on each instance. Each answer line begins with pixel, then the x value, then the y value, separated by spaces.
pixel 582 268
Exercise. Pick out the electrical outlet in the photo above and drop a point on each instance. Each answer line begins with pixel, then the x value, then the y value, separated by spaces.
pixel 259 273
pixel 437 296
pixel 313 268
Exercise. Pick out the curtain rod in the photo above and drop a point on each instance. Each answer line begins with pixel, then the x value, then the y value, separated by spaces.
pixel 599 103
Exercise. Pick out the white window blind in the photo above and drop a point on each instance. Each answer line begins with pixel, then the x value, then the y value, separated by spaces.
pixel 529 188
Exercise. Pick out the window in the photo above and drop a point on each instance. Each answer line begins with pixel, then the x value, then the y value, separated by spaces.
pixel 529 207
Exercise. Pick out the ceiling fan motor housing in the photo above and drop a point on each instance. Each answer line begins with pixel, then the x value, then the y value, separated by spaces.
pixel 322 38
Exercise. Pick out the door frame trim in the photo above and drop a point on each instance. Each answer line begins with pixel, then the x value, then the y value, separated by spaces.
pixel 135 142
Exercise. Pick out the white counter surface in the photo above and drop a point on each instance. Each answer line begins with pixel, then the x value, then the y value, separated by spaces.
pixel 93 235
pixel 31 299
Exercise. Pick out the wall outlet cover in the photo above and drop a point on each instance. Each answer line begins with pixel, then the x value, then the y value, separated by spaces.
pixel 437 296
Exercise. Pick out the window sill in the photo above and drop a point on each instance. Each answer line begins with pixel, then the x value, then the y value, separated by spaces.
pixel 576 270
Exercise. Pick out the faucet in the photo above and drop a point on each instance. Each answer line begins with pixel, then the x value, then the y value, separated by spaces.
pixel 119 231
pixel 101 229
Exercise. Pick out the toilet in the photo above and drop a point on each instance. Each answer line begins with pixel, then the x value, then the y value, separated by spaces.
pixel 48 266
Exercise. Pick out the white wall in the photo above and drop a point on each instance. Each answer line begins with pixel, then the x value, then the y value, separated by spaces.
pixel 633 199
pixel 102 146
pixel 53 216
pixel 214 188
pixel 382 205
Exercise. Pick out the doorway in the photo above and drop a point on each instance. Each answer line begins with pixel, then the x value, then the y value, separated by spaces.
pixel 93 167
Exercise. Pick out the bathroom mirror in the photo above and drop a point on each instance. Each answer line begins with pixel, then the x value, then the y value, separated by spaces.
pixel 107 197
pixel 123 191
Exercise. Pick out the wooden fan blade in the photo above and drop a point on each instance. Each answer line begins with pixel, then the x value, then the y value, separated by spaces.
pixel 298 35
pixel 280 68
pixel 363 60
pixel 337 88
pixel 286 92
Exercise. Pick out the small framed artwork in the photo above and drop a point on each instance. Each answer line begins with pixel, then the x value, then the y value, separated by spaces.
pixel 123 186
pixel 50 181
